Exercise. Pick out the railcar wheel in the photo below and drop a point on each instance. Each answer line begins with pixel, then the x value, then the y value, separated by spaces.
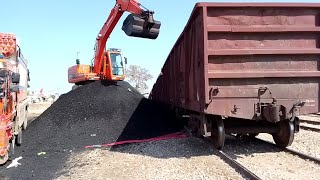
pixel 285 135
pixel 218 133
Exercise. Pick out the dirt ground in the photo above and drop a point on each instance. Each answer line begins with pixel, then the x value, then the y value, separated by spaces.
pixel 269 162
pixel 36 109
pixel 186 158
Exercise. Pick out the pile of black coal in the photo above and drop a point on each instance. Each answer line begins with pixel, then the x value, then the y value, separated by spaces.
pixel 93 114
pixel 99 113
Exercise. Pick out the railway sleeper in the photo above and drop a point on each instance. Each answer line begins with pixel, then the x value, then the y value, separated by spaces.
pixel 217 127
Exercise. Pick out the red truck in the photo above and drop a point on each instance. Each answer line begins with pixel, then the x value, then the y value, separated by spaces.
pixel 14 78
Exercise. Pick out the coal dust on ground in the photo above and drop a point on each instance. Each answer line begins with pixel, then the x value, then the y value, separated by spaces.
pixel 97 113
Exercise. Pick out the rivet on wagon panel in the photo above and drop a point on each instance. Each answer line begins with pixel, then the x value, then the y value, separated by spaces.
pixel 255 70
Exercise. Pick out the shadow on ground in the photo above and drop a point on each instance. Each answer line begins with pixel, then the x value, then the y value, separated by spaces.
pixel 100 113
pixel 175 148
pixel 94 114
pixel 246 146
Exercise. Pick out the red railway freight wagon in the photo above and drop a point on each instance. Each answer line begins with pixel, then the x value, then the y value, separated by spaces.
pixel 244 68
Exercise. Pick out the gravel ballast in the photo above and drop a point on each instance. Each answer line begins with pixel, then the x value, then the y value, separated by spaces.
pixel 305 141
pixel 188 158
pixel 99 113
pixel 269 162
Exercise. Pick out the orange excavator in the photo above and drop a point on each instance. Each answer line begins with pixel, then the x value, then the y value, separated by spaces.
pixel 110 64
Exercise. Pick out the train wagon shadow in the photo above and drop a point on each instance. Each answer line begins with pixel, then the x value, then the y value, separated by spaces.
pixel 191 147
pixel 239 147
pixel 174 148
pixel 149 120
pixel 152 119
pixel 63 131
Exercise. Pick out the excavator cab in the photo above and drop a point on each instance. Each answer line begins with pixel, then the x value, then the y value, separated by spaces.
pixel 116 63
pixel 142 26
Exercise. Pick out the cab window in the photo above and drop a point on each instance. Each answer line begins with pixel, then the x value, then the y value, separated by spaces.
pixel 117 65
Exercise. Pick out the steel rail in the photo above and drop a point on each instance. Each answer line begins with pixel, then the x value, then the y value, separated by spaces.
pixel 292 151
pixel 310 128
pixel 237 166
pixel 233 163
pixel 310 122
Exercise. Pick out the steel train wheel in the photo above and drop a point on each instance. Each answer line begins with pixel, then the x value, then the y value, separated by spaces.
pixel 218 133
pixel 285 135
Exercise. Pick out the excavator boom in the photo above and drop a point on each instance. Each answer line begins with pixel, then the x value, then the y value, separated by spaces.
pixel 139 23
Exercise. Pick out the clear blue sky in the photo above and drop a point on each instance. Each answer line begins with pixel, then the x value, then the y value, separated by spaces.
pixel 51 32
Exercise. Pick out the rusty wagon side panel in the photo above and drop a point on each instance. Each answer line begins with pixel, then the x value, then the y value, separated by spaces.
pixel 232 58
pixel 181 80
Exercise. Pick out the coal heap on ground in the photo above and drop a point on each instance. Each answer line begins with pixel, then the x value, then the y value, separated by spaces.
pixel 98 113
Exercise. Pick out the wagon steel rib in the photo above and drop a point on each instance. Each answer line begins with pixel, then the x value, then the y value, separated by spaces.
pixel 244 68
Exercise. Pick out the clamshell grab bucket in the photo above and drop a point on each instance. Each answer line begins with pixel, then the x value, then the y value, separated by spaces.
pixel 136 26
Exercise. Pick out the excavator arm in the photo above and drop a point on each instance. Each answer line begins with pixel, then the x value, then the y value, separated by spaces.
pixel 108 64
pixel 138 24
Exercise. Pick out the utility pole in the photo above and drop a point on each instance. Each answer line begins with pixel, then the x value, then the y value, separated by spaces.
pixel 77 59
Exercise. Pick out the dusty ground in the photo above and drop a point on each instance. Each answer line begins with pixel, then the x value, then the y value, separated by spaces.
pixel 187 158
pixel 269 162
pixel 284 165
pixel 311 117
pixel 36 109
pixel 305 141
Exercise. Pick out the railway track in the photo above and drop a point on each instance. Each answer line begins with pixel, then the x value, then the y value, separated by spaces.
pixel 292 151
pixel 310 128
pixel 311 122
pixel 234 164
pixel 315 129
pixel 241 168
pixel 237 166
